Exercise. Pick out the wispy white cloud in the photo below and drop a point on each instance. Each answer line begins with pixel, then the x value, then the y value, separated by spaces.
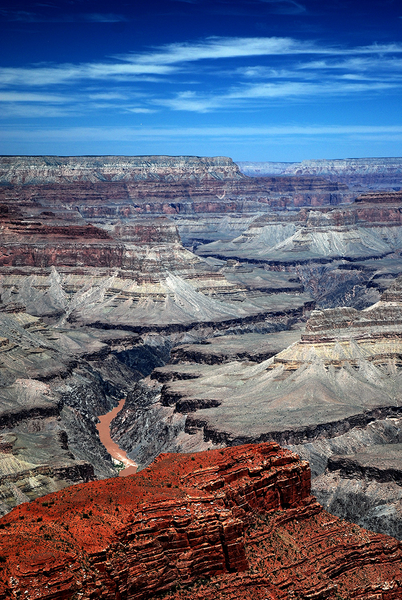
pixel 190 101
pixel 107 96
pixel 355 63
pixel 220 48
pixel 169 59
pixel 132 134
pixel 31 97
pixel 292 69
pixel 297 88
pixel 69 73
pixel 140 110
pixel 35 111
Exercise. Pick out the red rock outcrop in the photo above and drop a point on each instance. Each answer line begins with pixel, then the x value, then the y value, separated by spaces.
pixel 234 523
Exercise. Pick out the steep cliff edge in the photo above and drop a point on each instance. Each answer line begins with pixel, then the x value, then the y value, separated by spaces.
pixel 366 486
pixel 87 265
pixel 236 523
pixel 24 170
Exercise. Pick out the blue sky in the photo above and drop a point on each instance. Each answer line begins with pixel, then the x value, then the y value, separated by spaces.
pixel 283 80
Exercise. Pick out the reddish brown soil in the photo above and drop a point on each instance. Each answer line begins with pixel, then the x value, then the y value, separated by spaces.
pixel 236 524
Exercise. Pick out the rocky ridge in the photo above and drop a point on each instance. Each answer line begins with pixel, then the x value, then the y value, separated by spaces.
pixel 221 524
pixel 26 170
pixel 341 255
pixel 154 184
pixel 116 273
pixel 369 228
pixel 53 384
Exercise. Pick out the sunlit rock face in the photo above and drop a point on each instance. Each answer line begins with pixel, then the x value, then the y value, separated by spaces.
pixel 132 272
pixel 369 228
pixel 235 523
pixel 98 291
pixel 342 255
pixel 61 169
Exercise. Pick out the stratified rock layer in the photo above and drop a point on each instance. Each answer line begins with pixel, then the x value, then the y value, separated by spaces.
pixel 357 172
pixel 120 186
pixel 238 523
pixel 369 228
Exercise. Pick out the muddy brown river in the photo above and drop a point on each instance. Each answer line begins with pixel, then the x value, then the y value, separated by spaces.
pixel 114 450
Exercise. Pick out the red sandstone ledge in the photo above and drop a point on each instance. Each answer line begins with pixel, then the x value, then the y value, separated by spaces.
pixel 228 524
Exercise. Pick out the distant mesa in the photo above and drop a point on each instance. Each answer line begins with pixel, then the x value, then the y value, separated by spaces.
pixel 370 173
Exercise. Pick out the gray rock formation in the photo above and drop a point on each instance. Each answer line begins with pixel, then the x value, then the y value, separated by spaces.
pixel 334 397
pixel 362 173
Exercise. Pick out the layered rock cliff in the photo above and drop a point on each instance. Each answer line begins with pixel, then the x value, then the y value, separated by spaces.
pixel 104 187
pixel 221 524
pixel 341 255
pixel 83 274
pixel 130 271
pixel 374 173
pixel 24 170
pixel 369 228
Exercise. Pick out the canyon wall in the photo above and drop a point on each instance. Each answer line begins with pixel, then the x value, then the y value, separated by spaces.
pixel 362 173
pixel 334 396
pixel 90 304
pixel 125 186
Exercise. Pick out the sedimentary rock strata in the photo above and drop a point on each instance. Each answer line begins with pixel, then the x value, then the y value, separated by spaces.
pixel 54 383
pixel 154 184
pixel 365 487
pixel 362 230
pixel 221 524
pixel 377 173
pixel 249 346
pixel 118 273
pixel 340 255
pixel 344 368
pixel 89 262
